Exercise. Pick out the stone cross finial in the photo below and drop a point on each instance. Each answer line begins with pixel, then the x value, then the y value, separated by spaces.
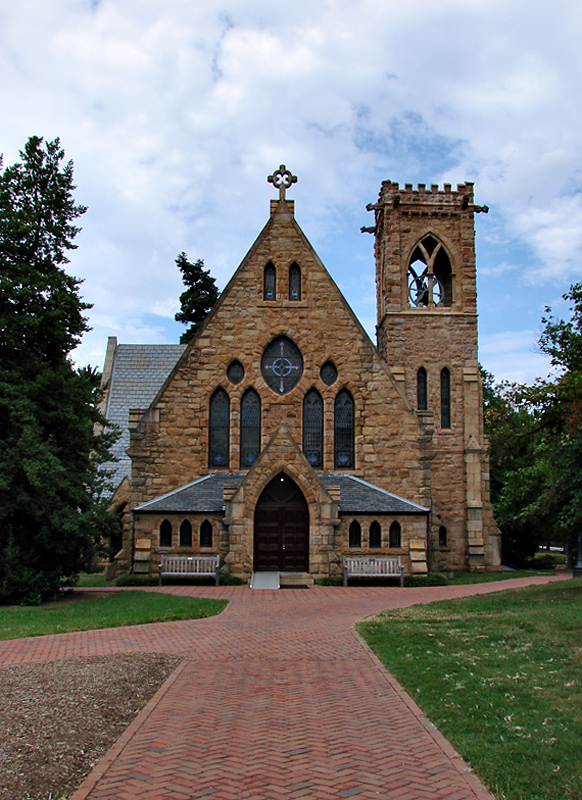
pixel 282 180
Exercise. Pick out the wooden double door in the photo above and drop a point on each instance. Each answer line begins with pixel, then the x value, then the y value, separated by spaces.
pixel 281 542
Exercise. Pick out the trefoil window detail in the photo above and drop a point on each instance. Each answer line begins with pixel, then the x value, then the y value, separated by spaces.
pixel 313 428
pixel 250 428
pixel 219 433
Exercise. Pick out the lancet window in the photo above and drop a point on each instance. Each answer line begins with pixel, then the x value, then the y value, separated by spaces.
pixel 313 428
pixel 421 390
pixel 294 282
pixel 206 534
pixel 344 430
pixel 395 535
pixel 375 534
pixel 355 534
pixel 166 533
pixel 186 534
pixel 219 433
pixel 445 398
pixel 250 428
pixel 270 283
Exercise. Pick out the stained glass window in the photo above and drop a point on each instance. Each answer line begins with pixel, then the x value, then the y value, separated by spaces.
pixel 270 283
pixel 186 534
pixel 445 398
pixel 355 534
pixel 282 365
pixel 235 372
pixel 395 535
pixel 294 282
pixel 375 534
pixel 313 428
pixel 166 534
pixel 219 429
pixel 344 430
pixel 250 428
pixel 328 373
pixel 206 534
pixel 421 390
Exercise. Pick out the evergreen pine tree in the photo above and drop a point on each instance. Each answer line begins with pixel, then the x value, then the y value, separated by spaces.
pixel 200 295
pixel 50 481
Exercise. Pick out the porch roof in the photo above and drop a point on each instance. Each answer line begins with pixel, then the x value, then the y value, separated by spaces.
pixel 205 496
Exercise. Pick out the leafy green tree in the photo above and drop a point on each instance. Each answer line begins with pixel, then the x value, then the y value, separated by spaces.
pixel 536 444
pixel 200 295
pixel 51 512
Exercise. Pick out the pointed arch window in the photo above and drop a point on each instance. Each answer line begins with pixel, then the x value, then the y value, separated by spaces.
pixel 355 534
pixel 250 428
pixel 395 535
pixel 219 433
pixel 186 534
pixel 445 398
pixel 430 276
pixel 294 282
pixel 344 430
pixel 421 390
pixel 206 534
pixel 270 283
pixel 375 534
pixel 166 533
pixel 313 428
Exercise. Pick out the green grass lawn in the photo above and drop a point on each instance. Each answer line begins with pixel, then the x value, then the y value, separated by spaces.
pixel 119 608
pixel 501 677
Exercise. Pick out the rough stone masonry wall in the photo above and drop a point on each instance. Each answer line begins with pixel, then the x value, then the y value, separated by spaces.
pixel 169 447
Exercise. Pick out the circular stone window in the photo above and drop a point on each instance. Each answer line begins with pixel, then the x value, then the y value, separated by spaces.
pixel 328 373
pixel 235 372
pixel 282 365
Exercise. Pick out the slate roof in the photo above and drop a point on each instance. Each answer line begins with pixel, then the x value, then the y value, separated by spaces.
pixel 137 374
pixel 205 495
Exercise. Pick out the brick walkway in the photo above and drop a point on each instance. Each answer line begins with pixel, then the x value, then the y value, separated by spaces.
pixel 276 698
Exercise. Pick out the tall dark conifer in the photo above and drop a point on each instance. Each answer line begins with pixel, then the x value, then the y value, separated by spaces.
pixel 50 516
pixel 200 295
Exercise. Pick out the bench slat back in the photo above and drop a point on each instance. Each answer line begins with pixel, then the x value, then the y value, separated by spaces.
pixel 189 565
pixel 381 567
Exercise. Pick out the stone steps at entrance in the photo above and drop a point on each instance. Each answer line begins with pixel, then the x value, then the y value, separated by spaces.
pixel 296 579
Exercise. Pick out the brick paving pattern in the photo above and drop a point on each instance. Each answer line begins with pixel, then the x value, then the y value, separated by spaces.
pixel 276 698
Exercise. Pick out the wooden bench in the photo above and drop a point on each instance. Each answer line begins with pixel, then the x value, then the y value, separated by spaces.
pixel 373 567
pixel 189 566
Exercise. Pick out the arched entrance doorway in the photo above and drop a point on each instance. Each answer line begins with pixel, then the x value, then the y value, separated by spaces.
pixel 281 528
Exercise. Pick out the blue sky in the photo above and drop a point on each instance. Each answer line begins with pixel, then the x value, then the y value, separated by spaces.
pixel 175 112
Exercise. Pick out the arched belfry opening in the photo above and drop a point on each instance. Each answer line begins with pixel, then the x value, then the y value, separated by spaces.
pixel 281 529
pixel 430 276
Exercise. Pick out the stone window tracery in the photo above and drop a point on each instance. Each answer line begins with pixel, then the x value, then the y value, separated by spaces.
pixel 313 428
pixel 430 277
pixel 344 430
pixel 282 365
pixel 250 428
pixel 219 429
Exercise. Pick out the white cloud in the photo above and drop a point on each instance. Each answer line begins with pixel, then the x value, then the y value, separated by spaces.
pixel 175 113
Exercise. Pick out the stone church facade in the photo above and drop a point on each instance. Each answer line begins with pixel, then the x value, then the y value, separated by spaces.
pixel 282 438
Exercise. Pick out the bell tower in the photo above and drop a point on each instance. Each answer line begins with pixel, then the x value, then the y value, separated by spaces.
pixel 427 334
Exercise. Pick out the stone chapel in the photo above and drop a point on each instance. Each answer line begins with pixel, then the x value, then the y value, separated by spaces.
pixel 282 438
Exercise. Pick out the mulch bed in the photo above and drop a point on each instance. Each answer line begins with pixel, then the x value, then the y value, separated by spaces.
pixel 58 719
